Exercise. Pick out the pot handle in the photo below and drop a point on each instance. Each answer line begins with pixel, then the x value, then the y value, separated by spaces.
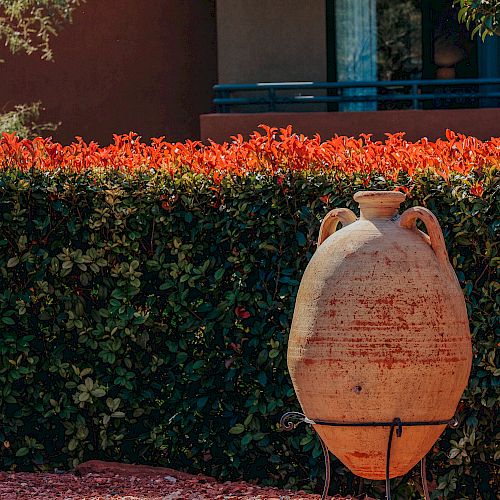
pixel 434 238
pixel 331 220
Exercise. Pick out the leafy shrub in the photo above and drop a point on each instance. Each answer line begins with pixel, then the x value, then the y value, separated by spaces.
pixel 481 15
pixel 146 294
pixel 23 121
pixel 28 26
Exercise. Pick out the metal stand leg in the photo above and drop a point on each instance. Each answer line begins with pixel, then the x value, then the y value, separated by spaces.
pixel 287 423
pixel 326 456
pixel 423 473
pixel 396 424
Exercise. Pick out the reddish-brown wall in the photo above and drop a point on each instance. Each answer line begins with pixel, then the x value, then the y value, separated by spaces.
pixel 146 66
pixel 482 123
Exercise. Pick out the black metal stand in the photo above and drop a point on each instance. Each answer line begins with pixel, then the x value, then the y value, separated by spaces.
pixel 288 424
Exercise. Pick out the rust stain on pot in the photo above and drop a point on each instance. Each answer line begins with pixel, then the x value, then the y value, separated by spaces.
pixel 359 454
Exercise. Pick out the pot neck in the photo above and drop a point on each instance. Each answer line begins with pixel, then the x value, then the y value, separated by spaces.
pixel 371 213
pixel 378 204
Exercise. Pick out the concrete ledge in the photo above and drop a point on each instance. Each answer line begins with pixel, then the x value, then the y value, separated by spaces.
pixel 482 123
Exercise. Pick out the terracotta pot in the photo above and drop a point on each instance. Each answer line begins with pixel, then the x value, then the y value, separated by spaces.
pixel 379 331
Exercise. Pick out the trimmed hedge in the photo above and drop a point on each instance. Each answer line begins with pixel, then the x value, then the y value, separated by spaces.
pixel 144 312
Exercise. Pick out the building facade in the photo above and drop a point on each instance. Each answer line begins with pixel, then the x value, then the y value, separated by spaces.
pixel 424 68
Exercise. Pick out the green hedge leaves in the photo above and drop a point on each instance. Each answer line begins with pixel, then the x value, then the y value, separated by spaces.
pixel 144 318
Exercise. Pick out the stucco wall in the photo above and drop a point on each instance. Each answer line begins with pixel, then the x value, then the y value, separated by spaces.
pixel 123 65
pixel 271 40
pixel 482 123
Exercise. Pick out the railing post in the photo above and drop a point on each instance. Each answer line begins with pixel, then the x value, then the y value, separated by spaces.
pixel 272 99
pixel 218 107
pixel 414 90
pixel 227 95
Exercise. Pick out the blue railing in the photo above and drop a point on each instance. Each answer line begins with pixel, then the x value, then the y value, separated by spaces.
pixel 414 93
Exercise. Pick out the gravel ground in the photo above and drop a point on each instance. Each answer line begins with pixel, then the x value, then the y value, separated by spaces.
pixel 102 481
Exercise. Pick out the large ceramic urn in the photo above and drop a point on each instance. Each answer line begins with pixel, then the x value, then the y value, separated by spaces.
pixel 379 332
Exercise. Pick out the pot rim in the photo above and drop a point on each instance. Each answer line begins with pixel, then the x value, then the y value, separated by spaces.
pixel 379 198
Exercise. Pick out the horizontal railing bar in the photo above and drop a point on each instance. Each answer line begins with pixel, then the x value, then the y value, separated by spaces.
pixel 352 84
pixel 388 97
pixel 348 98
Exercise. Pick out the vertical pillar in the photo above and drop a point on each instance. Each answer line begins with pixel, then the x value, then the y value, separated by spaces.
pixel 489 67
pixel 356 47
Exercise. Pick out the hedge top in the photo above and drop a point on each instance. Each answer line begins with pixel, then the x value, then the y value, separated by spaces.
pixel 274 151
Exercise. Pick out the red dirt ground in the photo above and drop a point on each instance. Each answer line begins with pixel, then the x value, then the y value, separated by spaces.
pixel 97 480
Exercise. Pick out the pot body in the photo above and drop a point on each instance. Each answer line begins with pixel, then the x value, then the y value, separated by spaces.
pixel 379 331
